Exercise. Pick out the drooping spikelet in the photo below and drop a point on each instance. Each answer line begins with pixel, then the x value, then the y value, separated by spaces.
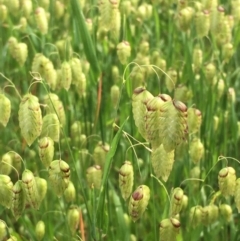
pixel 6 164
pixel 173 124
pixel 209 214
pixel 66 75
pixel 12 42
pixel 195 216
pixel 100 153
pixel 123 51
pixel 6 193
pixel 30 118
pixel 5 109
pixel 162 162
pixel 126 179
pixel 29 185
pixel 169 228
pixel 26 8
pixel 138 202
pixel 3 13
pixel 139 101
pixel 3 230
pixel 115 94
pixel 196 150
pixel 59 174
pixel 76 68
pixel 55 106
pixel 153 119
pixel 40 230
pixel 41 20
pixel 20 53
pixel 171 79
pixel 237 194
pixel 70 193
pixel 94 176
pixel 194 120
pixel 184 18
pixel 176 201
pixel 51 127
pixel 227 181
pixel 202 23
pixel 226 211
pixel 46 150
pixel 19 200
pixel 42 188
pixel 73 218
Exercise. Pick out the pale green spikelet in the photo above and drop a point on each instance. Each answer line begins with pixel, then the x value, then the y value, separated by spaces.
pixel 196 150
pixel 138 202
pixel 237 194
pixel 210 72
pixel 42 188
pixel 123 51
pixel 183 93
pixel 20 53
pixel 162 162
pixel 6 164
pixel 194 120
pixel 44 3
pixel 94 176
pixel 226 212
pixel 30 118
pixel 40 230
pixel 5 109
pixel 227 181
pixel 41 20
pixel 176 201
pixel 19 200
pixel 12 42
pixel 153 119
pixel 139 101
pixel 195 174
pixel 3 13
pixel 169 229
pixel 209 214
pixel 202 23
pixel 46 150
pixel 26 8
pixel 76 68
pixel 66 75
pixel 73 218
pixel 100 153
pixel 171 79
pixel 51 127
pixel 3 230
pixel 6 192
pixel 81 85
pixel 59 174
pixel 29 185
pixel 184 18
pixel 156 59
pixel 125 179
pixel 174 130
pixel 115 94
pixel 197 58
pixel 59 10
pixel 70 192
pixel 195 216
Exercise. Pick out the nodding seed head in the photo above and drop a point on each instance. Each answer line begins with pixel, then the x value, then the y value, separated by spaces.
pixel 137 196
pixel 175 222
pixel 180 105
pixel 139 90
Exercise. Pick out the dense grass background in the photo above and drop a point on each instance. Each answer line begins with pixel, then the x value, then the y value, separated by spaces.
pixel 105 213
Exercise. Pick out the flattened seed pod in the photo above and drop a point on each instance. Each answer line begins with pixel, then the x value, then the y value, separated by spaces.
pixel 73 219
pixel 70 192
pixel 76 68
pixel 6 193
pixel 176 201
pixel 21 53
pixel 123 52
pixel 51 127
pixel 18 202
pixel 54 105
pixel 202 23
pixel 138 202
pixel 171 79
pixel 126 179
pixel 209 214
pixel 42 188
pixel 26 7
pixel 29 185
pixel 196 150
pixel 173 123
pixel 153 119
pixel 100 153
pixel 41 20
pixel 139 101
pixel 5 109
pixel 94 176
pixel 3 230
pixel 59 9
pixel 169 228
pixel 3 13
pixel 46 150
pixel 194 120
pixel 66 75
pixel 30 118
pixel 59 174
pixel 6 164
pixel 40 230
pixel 115 94
pixel 162 162
pixel 12 42
pixel 197 58
pixel 195 216
pixel 237 194
pixel 226 212
pixel 227 181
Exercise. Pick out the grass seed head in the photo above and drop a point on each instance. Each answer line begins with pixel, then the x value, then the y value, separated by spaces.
pixel 123 52
pixel 70 193
pixel 126 177
pixel 237 194
pixel 176 201
pixel 168 230
pixel 227 181
pixel 59 10
pixel 40 230
pixel 3 13
pixel 3 230
pixel 138 202
pixel 184 18
pixel 6 164
pixel 41 20
pixel 66 75
pixel 46 150
pixel 73 218
pixel 115 94
pixel 100 153
pixel 195 216
pixel 202 23
pixel 42 188
pixel 27 8
pixel 209 214
pixel 226 212
pixel 94 176
pixel 6 192
pixel 196 150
